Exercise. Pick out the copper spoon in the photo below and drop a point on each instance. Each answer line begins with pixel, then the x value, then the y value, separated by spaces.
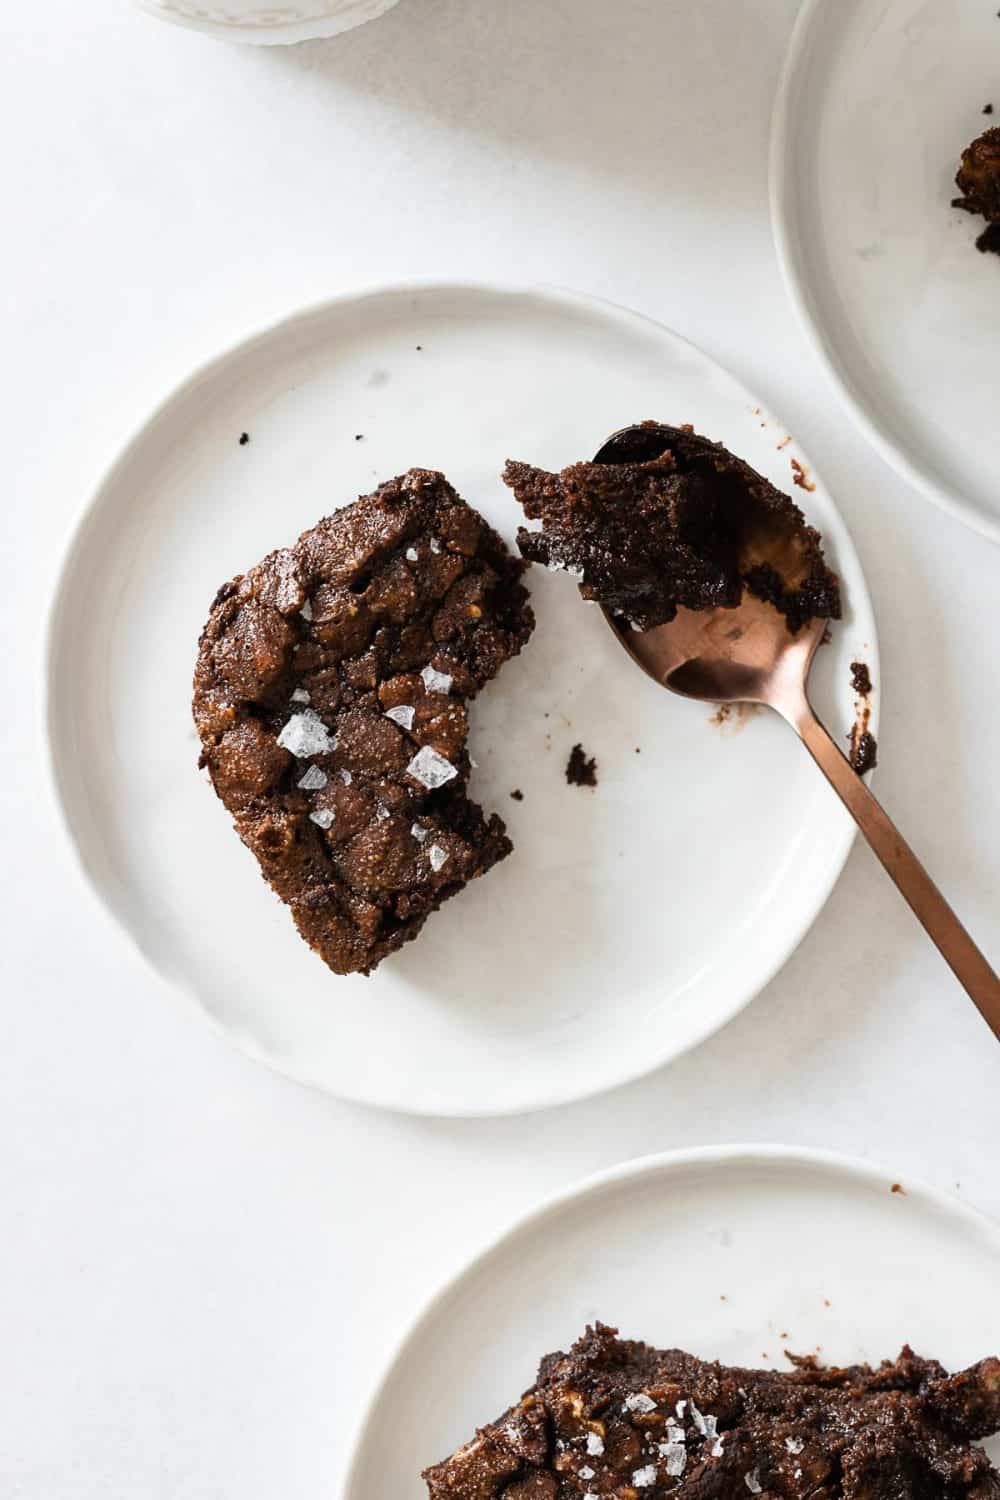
pixel 748 655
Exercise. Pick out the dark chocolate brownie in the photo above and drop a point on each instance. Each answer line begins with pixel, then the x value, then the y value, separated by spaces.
pixel 979 181
pixel 330 698
pixel 581 770
pixel 613 1418
pixel 692 527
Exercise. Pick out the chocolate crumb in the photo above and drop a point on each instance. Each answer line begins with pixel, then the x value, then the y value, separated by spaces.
pixel 244 439
pixel 579 770
pixel 898 1187
pixel 989 240
pixel 420 348
pixel 864 753
pixel 358 436
pixel 861 678
pixel 987 109
pixel 517 794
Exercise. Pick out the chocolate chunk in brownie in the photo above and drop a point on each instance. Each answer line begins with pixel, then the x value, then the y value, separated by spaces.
pixel 979 182
pixel 693 527
pixel 331 697
pixel 613 1418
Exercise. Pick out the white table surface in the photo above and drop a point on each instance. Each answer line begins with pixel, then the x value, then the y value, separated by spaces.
pixel 205 1267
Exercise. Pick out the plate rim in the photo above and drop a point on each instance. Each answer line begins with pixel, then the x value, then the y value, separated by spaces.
pixel 749 1154
pixel 207 369
pixel 782 196
pixel 266 34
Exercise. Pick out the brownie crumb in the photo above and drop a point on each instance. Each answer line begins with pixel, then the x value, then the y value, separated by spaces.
pixel 358 436
pixel 861 678
pixel 898 1187
pixel 987 109
pixel 864 753
pixel 517 795
pixel 579 770
pixel 978 180
pixel 244 439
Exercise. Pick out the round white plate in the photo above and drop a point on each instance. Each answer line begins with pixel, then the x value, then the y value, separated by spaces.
pixel 733 1253
pixel 878 101
pixel 663 899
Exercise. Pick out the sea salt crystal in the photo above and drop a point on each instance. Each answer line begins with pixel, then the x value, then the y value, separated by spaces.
pixel 698 1420
pixel 675 1434
pixel 437 857
pixel 431 769
pixel 382 813
pixel 300 696
pixel 752 1482
pixel 639 1402
pixel 511 1433
pixel 306 611
pixel 345 777
pixel 305 734
pixel 680 1409
pixel 412 555
pixel 437 682
pixel 676 1458
pixel 595 1444
pixel 322 817
pixel 418 833
pixel 435 546
pixel 314 780
pixel 586 1472
pixel 403 716
pixel 794 1444
pixel 716 1451
pixel 644 1479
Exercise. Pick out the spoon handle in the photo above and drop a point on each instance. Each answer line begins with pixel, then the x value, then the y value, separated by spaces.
pixel 968 963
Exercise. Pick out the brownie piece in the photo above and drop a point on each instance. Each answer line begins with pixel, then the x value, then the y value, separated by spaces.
pixel 613 1418
pixel 979 181
pixel 691 527
pixel 331 695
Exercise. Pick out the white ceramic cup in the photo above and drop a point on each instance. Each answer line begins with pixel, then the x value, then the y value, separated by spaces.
pixel 268 21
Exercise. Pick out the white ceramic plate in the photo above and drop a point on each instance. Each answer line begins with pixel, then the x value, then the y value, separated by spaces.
pixel 670 894
pixel 878 100
pixel 734 1253
pixel 265 22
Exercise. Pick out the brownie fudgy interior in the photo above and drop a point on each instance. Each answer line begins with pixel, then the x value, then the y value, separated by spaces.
pixel 979 182
pixel 692 527
pixel 330 696
pixel 614 1418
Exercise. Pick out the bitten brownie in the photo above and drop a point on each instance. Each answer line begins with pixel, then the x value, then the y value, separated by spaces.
pixel 979 181
pixel 617 1420
pixel 692 527
pixel 330 695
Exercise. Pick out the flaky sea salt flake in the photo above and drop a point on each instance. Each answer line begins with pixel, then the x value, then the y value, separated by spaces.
pixel 585 1472
pixel 300 696
pixel 322 817
pixel 595 1444
pixel 412 555
pixel 437 682
pixel 644 1479
pixel 305 734
pixel 420 834
pixel 382 813
pixel 306 611
pixel 402 715
pixel 435 546
pixel 437 856
pixel 639 1402
pixel 675 1455
pixel 794 1444
pixel 345 777
pixel 431 769
pixel 752 1481
pixel 314 780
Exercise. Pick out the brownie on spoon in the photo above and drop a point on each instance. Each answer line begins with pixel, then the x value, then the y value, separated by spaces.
pixel 330 696
pixel 618 1420
pixel 691 527
pixel 979 181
